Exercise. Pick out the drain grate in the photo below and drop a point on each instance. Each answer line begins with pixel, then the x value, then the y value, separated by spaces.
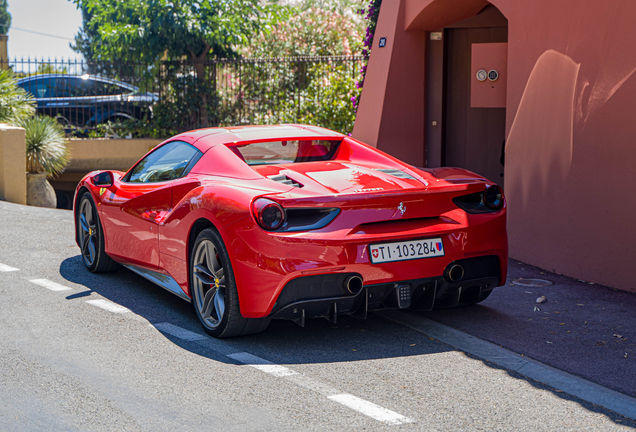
pixel 532 282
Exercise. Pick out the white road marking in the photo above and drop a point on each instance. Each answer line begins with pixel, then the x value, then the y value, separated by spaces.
pixel 313 385
pixel 370 409
pixel 108 305
pixel 53 286
pixel 362 406
pixel 262 364
pixel 6 268
pixel 179 332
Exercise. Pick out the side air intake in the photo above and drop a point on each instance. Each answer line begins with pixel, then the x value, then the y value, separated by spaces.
pixel 282 178
pixel 396 173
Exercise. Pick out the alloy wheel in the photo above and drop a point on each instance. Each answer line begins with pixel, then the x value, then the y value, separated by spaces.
pixel 209 284
pixel 88 232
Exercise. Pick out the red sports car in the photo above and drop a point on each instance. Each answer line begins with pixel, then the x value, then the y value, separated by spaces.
pixel 293 222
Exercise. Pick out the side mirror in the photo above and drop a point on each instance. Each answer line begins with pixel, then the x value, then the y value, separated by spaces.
pixel 103 179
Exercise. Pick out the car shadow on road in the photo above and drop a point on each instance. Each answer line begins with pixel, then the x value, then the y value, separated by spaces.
pixel 284 342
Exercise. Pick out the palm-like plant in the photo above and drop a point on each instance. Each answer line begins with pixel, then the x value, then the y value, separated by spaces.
pixel 15 103
pixel 45 146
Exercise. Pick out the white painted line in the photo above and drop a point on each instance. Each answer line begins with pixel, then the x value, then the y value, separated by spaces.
pixel 262 364
pixel 53 286
pixel 313 385
pixel 6 268
pixel 217 345
pixel 108 305
pixel 179 332
pixel 355 403
pixel 370 409
pixel 533 369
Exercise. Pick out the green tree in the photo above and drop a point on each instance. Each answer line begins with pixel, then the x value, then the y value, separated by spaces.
pixel 147 30
pixel 150 30
pixel 312 92
pixel 5 17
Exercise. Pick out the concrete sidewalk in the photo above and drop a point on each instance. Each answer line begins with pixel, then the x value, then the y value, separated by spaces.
pixel 584 329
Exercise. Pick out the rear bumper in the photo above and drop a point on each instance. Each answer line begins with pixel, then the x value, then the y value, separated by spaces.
pixel 328 298
pixel 264 263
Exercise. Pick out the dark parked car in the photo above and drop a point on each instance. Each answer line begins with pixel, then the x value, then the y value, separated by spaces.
pixel 85 100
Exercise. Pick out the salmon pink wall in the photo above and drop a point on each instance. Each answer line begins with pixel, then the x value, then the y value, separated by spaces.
pixel 570 154
pixel 571 130
pixel 391 114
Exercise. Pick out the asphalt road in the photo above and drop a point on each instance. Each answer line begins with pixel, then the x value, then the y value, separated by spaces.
pixel 137 359
pixel 584 329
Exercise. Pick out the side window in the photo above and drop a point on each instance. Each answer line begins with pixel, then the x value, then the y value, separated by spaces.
pixel 41 87
pixel 73 87
pixel 167 163
pixel 105 88
pixel 64 87
pixel 79 87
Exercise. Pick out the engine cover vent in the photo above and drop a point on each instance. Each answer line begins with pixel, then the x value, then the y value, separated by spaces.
pixel 282 178
pixel 396 173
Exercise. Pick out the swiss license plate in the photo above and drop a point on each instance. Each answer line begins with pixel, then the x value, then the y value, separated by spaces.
pixel 406 250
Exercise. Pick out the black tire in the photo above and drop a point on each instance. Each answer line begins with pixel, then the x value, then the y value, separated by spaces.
pixel 91 237
pixel 214 294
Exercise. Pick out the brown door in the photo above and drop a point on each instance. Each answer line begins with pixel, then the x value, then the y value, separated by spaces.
pixel 472 137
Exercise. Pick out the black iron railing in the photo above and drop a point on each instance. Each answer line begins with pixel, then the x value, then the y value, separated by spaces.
pixel 104 98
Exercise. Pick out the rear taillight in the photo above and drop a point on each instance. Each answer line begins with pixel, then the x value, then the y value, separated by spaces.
pixel 488 201
pixel 493 197
pixel 269 214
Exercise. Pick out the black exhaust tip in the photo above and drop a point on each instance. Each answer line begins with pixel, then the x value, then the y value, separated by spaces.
pixel 455 273
pixel 352 284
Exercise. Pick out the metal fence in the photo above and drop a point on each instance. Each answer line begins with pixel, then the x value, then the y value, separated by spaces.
pixel 93 98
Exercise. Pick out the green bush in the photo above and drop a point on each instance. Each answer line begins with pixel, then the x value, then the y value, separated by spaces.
pixel 302 91
pixel 46 149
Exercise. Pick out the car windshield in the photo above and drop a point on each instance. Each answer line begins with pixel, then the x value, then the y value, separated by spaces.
pixel 284 152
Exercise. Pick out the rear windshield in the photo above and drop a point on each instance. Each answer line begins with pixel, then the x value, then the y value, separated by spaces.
pixel 284 152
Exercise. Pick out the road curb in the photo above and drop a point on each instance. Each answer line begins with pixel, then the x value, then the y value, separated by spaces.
pixel 555 378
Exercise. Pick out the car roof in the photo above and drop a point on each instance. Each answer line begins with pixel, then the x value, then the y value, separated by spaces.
pixel 83 77
pixel 204 139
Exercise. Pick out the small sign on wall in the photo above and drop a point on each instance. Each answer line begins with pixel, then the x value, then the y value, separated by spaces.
pixel 382 43
pixel 436 36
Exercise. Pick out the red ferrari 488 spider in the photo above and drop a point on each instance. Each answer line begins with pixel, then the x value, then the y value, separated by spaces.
pixel 293 222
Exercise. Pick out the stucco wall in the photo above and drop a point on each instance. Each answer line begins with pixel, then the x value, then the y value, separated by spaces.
pixel 570 151
pixel 12 164
pixel 391 114
pixel 107 154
